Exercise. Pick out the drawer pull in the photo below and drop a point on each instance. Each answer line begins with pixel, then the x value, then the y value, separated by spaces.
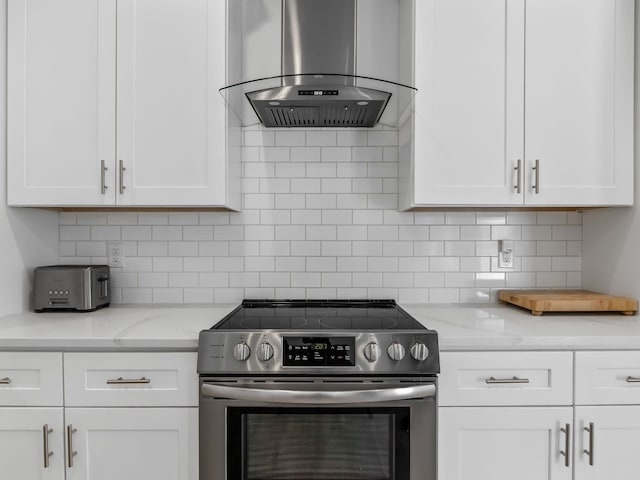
pixel 631 379
pixel 70 451
pixel 567 444
pixel 494 380
pixel 5 381
pixel 124 381
pixel 46 431
pixel 592 434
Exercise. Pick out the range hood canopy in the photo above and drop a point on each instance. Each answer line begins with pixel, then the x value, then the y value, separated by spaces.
pixel 322 88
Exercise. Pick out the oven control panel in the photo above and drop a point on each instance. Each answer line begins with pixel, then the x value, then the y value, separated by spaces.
pixel 316 352
pixel 319 351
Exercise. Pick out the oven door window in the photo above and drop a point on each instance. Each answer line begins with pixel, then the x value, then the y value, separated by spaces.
pixel 318 443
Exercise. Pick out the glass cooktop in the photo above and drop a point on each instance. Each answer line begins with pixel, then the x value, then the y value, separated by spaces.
pixel 361 315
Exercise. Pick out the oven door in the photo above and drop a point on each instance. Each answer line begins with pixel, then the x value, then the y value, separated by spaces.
pixel 320 429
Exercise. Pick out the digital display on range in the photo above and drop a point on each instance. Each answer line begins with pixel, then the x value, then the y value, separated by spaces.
pixel 319 351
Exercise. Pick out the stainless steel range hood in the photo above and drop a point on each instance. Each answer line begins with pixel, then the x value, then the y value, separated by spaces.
pixel 318 85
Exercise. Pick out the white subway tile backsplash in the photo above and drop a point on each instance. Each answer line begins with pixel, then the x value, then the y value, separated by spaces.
pixel 289 201
pixel 367 280
pixel 305 154
pixel 444 264
pixel 198 264
pixel 335 154
pixel 566 232
pixel 276 248
pixel 397 249
pixel 183 249
pixel 91 249
pixel 320 220
pixel 444 233
pixel 320 138
pixel 171 264
pixel 166 233
pixel 159 279
pixel 366 154
pixel 198 295
pixel 153 219
pixel 336 249
pixel 352 138
pixel 68 232
pixel 259 264
pixel 189 279
pixel 290 138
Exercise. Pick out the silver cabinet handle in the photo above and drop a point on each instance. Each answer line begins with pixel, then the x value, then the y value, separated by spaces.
pixel 592 434
pixel 70 451
pixel 122 169
pixel 5 381
pixel 494 380
pixel 631 379
pixel 46 431
pixel 124 381
pixel 103 183
pixel 320 397
pixel 536 185
pixel 518 170
pixel 567 444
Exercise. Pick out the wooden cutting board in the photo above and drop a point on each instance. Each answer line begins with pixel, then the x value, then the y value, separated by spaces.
pixel 540 301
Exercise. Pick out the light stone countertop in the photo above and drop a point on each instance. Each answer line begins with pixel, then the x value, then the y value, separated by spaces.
pixel 176 327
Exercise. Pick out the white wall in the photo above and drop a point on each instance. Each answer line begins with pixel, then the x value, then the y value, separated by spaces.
pixel 27 237
pixel 611 237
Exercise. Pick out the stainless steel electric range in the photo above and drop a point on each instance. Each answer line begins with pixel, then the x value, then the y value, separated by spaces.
pixel 318 390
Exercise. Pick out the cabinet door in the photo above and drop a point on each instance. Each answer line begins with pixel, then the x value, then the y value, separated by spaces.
pixel 171 117
pixel 469 109
pixel 579 101
pixel 61 101
pixel 22 443
pixel 133 443
pixel 613 443
pixel 503 443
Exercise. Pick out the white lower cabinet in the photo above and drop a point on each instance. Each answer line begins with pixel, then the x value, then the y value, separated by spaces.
pixel 608 450
pixel 132 443
pixel 503 443
pixel 125 416
pixel 506 415
pixel 31 443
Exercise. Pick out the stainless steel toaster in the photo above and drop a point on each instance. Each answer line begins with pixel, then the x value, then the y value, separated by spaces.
pixel 71 287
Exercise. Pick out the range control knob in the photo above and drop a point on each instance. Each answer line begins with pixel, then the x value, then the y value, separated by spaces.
pixel 241 352
pixel 396 351
pixel 419 351
pixel 265 353
pixel 371 352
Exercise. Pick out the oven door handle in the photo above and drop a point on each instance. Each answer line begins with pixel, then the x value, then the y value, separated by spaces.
pixel 318 397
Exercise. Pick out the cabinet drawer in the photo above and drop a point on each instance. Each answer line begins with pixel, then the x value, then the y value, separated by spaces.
pixel 505 378
pixel 607 378
pixel 130 379
pixel 30 379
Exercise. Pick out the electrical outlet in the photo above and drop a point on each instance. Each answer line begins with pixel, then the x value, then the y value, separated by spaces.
pixel 115 254
pixel 505 254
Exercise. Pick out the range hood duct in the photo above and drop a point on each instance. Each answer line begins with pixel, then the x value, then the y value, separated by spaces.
pixel 319 86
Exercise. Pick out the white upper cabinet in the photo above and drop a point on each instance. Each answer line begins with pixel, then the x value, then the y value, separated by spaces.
pixel 61 100
pixel 579 102
pixel 503 89
pixel 145 127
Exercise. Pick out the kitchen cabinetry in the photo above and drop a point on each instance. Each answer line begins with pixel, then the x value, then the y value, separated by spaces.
pixel 31 416
pixel 498 419
pixel 521 106
pixel 504 415
pixel 126 415
pixel 143 127
pixel 607 415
